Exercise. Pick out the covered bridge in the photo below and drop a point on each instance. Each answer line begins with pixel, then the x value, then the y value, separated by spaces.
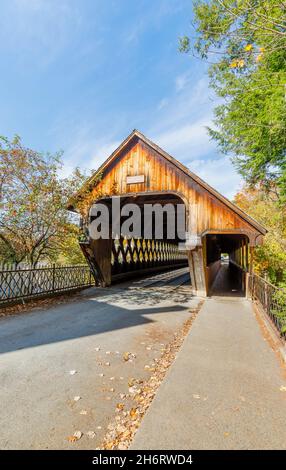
pixel 140 172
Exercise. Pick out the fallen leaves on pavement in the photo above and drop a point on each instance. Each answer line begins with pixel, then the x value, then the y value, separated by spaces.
pixel 75 437
pixel 128 356
pixel 122 430
pixel 120 406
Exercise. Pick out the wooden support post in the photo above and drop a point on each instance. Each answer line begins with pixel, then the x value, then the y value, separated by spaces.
pixel 197 271
pixel 101 249
pixel 251 260
pixel 98 256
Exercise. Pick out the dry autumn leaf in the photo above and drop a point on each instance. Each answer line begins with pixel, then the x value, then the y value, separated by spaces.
pixel 78 434
pixel 126 356
pixel 109 445
pixel 133 413
pixel 122 446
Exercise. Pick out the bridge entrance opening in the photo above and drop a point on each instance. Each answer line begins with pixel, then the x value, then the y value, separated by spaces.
pixel 155 245
pixel 226 264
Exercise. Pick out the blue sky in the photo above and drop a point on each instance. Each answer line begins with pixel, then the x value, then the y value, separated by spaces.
pixel 79 75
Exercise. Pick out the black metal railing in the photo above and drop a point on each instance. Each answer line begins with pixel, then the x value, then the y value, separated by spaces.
pixel 32 282
pixel 272 299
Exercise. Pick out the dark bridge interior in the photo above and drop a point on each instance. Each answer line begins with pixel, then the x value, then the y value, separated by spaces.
pixel 138 255
pixel 226 263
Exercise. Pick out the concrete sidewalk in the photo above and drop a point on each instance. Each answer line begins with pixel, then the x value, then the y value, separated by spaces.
pixel 223 390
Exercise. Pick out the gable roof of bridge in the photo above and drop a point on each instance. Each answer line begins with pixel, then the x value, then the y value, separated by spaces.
pixel 135 134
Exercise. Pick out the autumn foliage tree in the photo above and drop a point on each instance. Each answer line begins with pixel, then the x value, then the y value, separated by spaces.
pixel 34 222
pixel 270 258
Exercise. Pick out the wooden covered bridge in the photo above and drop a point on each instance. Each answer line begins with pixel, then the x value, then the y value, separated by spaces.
pixel 140 172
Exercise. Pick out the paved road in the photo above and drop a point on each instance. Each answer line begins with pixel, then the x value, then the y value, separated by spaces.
pixel 223 390
pixel 39 349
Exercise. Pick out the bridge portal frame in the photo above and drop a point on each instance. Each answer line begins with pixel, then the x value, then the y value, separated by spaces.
pixel 137 168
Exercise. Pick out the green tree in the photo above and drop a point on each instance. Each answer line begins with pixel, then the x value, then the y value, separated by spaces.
pixel 245 43
pixel 34 222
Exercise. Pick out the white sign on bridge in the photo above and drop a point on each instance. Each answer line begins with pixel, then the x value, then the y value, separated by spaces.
pixel 135 179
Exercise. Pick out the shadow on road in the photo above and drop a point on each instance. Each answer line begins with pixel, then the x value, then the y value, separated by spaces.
pixel 107 310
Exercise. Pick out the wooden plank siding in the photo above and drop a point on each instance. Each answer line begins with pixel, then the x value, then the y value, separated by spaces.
pixel 208 213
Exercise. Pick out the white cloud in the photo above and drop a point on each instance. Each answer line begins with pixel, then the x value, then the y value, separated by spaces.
pixel 86 150
pixel 38 29
pixel 185 108
pixel 182 81
pixel 180 127
pixel 101 152
pixel 187 140
pixel 218 173
pixel 181 130
pixel 164 102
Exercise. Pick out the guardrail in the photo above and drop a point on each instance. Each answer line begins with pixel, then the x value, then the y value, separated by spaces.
pixel 272 299
pixel 19 284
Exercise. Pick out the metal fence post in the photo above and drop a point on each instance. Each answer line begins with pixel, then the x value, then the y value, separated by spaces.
pixel 54 275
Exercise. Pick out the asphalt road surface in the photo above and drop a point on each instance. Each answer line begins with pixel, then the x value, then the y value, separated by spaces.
pixel 51 357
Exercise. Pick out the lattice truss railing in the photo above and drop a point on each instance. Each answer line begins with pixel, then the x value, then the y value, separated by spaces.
pixel 128 254
pixel 23 283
